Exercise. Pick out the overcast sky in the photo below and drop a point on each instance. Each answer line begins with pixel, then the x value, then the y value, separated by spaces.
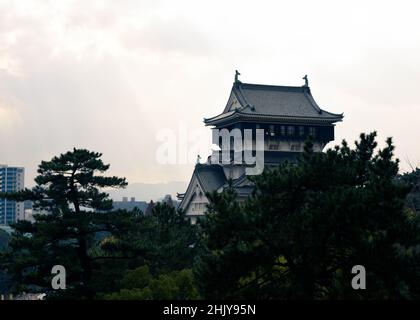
pixel 108 75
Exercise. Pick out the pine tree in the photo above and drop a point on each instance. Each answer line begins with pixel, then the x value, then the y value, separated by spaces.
pixel 307 224
pixel 413 199
pixel 164 240
pixel 68 188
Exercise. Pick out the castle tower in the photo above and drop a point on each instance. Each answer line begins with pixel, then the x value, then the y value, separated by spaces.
pixel 285 115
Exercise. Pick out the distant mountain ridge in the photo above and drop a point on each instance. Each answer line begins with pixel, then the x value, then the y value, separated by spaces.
pixel 149 191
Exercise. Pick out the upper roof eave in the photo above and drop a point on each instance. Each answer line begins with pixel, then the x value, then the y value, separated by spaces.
pixel 237 115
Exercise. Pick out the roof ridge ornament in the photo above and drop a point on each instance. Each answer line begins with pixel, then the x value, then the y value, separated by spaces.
pixel 306 81
pixel 237 74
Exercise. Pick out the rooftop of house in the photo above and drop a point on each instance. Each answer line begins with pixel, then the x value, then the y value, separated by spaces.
pixel 256 101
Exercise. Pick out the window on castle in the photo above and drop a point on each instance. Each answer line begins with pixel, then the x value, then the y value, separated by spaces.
pixel 312 131
pixel 283 130
pixel 272 132
pixel 290 130
pixel 301 131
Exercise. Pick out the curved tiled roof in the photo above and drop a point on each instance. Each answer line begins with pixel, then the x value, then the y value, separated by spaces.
pixel 210 176
pixel 277 102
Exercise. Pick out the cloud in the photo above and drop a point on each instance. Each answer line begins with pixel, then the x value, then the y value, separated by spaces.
pixel 109 75
pixel 165 37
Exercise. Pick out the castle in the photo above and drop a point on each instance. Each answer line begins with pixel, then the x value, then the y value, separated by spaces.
pixel 285 115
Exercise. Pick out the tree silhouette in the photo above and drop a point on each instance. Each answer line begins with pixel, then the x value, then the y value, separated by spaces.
pixel 68 192
pixel 308 224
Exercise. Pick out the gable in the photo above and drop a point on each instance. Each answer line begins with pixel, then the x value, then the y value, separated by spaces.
pixel 205 178
pixel 189 193
pixel 197 201
pixel 233 103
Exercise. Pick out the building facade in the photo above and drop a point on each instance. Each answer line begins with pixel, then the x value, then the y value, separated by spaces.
pixel 286 116
pixel 126 204
pixel 12 179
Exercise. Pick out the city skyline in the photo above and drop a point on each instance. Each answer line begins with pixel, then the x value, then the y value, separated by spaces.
pixel 110 77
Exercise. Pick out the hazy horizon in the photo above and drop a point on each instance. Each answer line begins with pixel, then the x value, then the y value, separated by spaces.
pixel 109 76
pixel 149 191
